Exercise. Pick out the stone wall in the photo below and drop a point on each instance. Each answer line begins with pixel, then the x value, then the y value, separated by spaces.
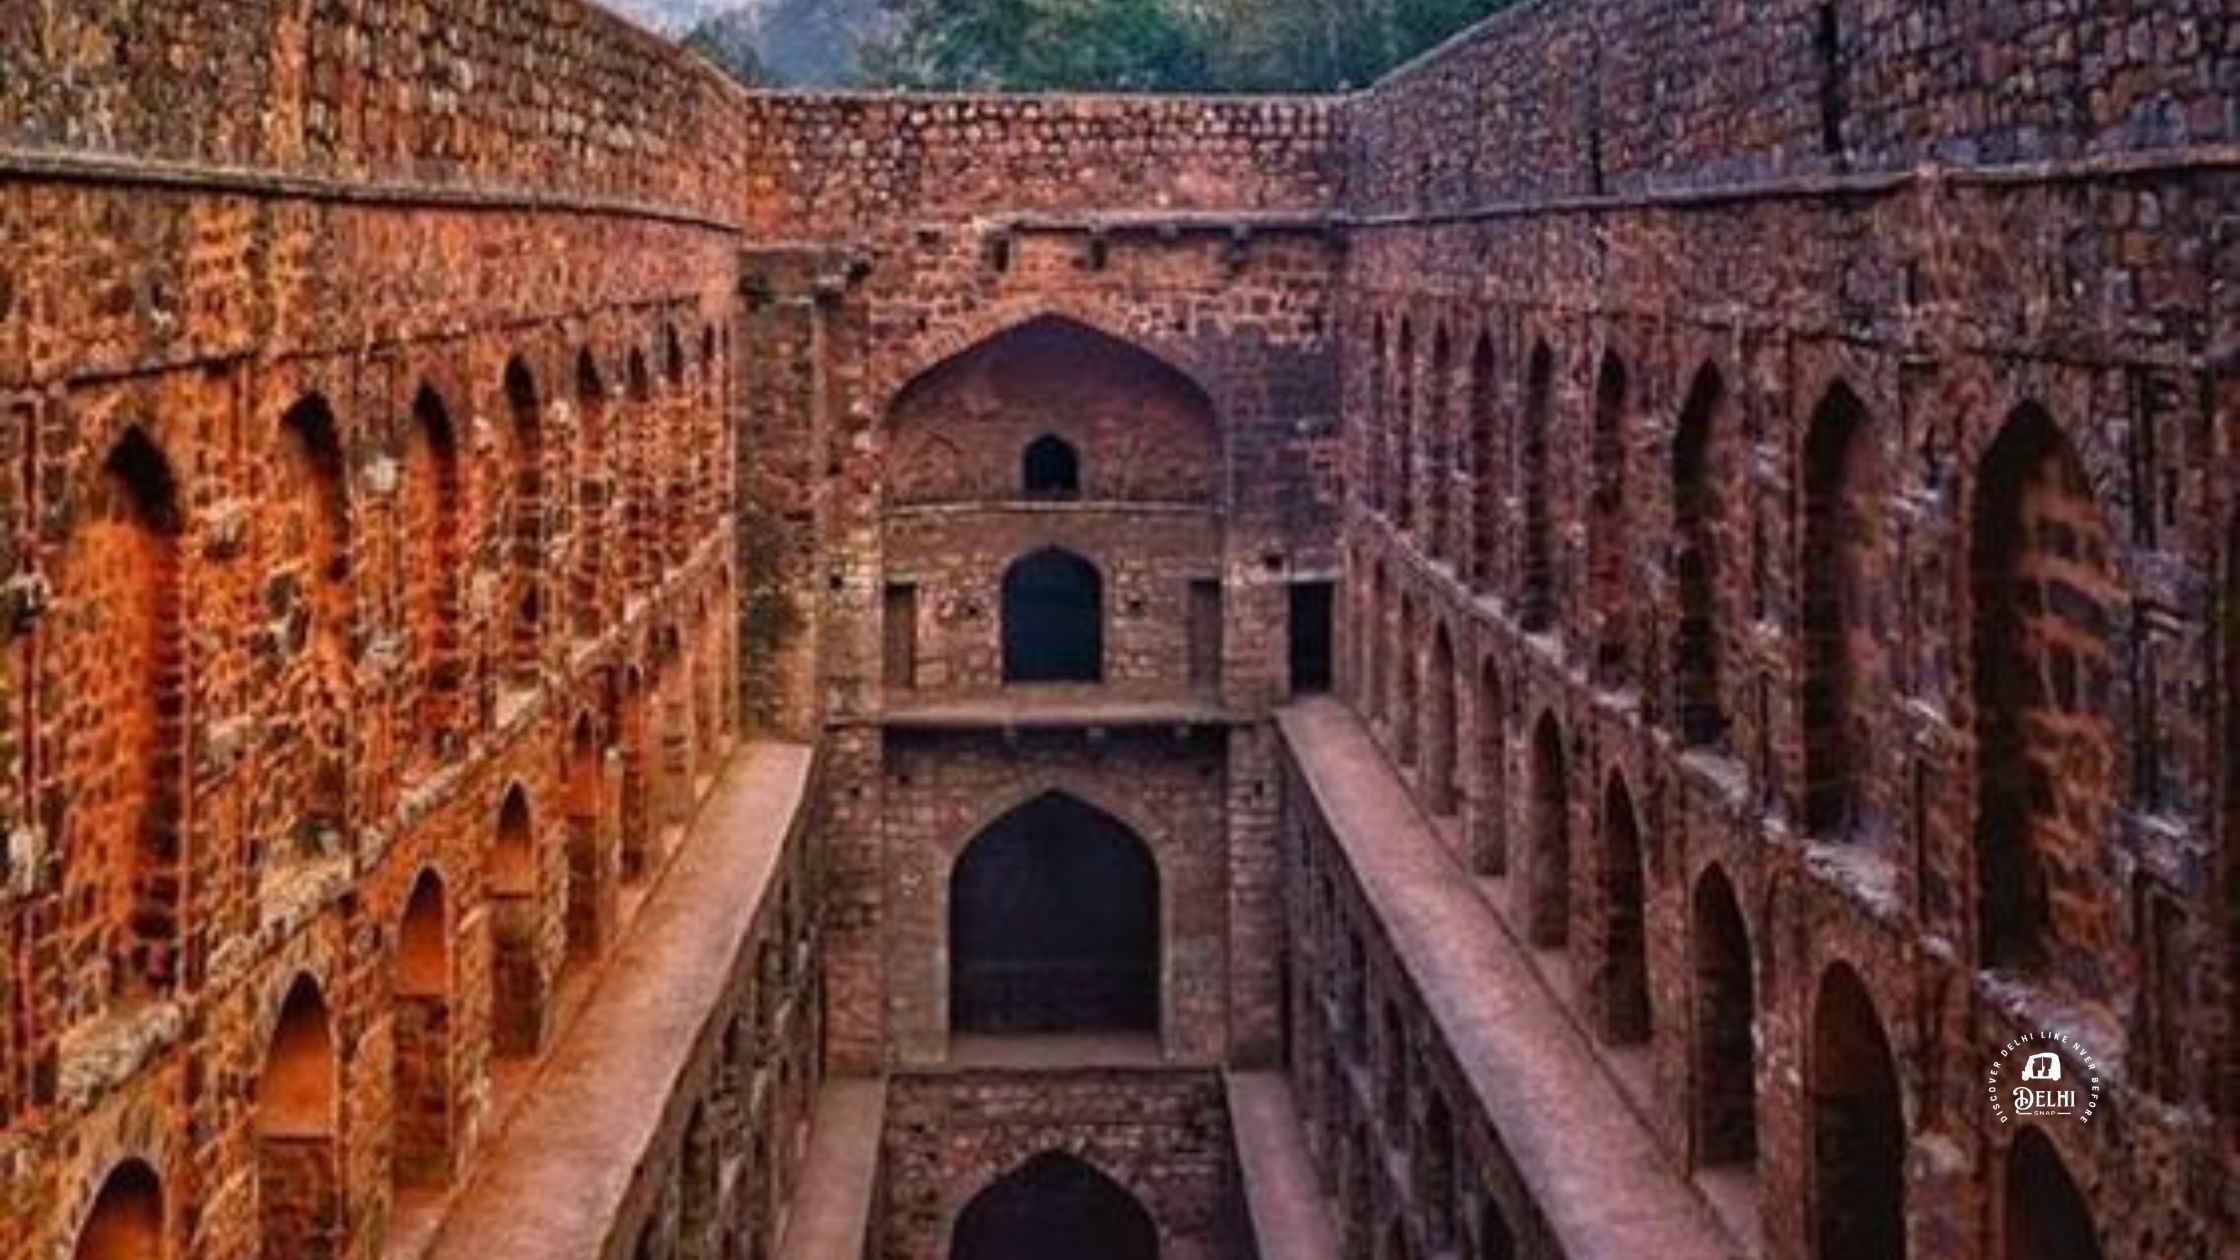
pixel 1802 537
pixel 1186 236
pixel 1162 1136
pixel 367 375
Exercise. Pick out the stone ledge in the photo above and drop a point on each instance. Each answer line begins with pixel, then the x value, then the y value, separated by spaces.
pixel 554 1180
pixel 1283 1196
pixel 1591 1167
pixel 832 1211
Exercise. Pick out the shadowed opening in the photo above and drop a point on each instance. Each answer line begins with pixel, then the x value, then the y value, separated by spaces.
pixel 1053 619
pixel 1054 1207
pixel 126 1222
pixel 1054 925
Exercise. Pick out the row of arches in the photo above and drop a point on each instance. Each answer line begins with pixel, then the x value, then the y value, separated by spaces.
pixel 1854 1123
pixel 2046 598
pixel 126 589
pixel 297 1121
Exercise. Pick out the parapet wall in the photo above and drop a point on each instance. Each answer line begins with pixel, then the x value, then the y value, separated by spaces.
pixel 550 96
pixel 837 166
pixel 1586 97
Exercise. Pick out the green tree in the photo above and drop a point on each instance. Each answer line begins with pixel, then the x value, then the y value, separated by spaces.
pixel 1041 45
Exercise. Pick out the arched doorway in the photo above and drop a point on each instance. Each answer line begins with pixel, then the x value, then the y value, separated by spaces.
pixel 1621 981
pixel 421 1034
pixel 431 503
pixel 299 1204
pixel 1839 560
pixel 126 1221
pixel 119 584
pixel 1441 738
pixel 1489 821
pixel 1697 518
pixel 1858 1127
pixel 589 911
pixel 1054 1206
pixel 516 975
pixel 1536 569
pixel 1607 538
pixel 2046 1216
pixel 1053 619
pixel 1547 883
pixel 1054 924
pixel 1724 1061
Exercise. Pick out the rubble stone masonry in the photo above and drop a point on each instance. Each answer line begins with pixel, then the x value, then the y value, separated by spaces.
pixel 1771 465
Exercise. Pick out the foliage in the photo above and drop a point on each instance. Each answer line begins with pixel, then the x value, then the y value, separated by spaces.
pixel 1079 45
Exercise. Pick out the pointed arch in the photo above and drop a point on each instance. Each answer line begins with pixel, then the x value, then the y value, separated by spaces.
pixel 314 512
pixel 1050 468
pixel 420 1034
pixel 1842 486
pixel 2045 593
pixel 594 498
pixel 1053 618
pixel 1488 469
pixel 1723 1061
pixel 2046 1217
pixel 1404 409
pixel 1857 1125
pixel 1054 1204
pixel 1698 521
pixel 299 1197
pixel 635 458
pixel 1054 924
pixel 1607 534
pixel 1536 596
pixel 1439 448
pixel 434 523
pixel 518 984
pixel 1153 428
pixel 1547 884
pixel 127 1220
pixel 590 890
pixel 1621 979
pixel 120 576
pixel 525 524
pixel 1442 736
pixel 1489 821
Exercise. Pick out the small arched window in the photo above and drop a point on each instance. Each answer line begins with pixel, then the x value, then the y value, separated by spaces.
pixel 1050 469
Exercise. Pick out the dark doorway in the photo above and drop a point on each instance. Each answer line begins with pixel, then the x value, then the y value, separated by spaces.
pixel 1310 636
pixel 1054 925
pixel 1054 1205
pixel 2046 1216
pixel 1050 469
pixel 1858 1127
pixel 1053 619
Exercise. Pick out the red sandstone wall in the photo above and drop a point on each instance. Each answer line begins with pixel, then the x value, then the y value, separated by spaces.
pixel 246 720
pixel 2005 604
pixel 1580 97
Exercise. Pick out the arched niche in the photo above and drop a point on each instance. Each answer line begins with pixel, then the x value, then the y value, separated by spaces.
pixel 1140 430
pixel 1053 618
pixel 1054 924
pixel 1054 1205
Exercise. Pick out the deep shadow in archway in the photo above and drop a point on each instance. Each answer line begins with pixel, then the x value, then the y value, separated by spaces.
pixel 1053 619
pixel 1054 1207
pixel 1054 925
